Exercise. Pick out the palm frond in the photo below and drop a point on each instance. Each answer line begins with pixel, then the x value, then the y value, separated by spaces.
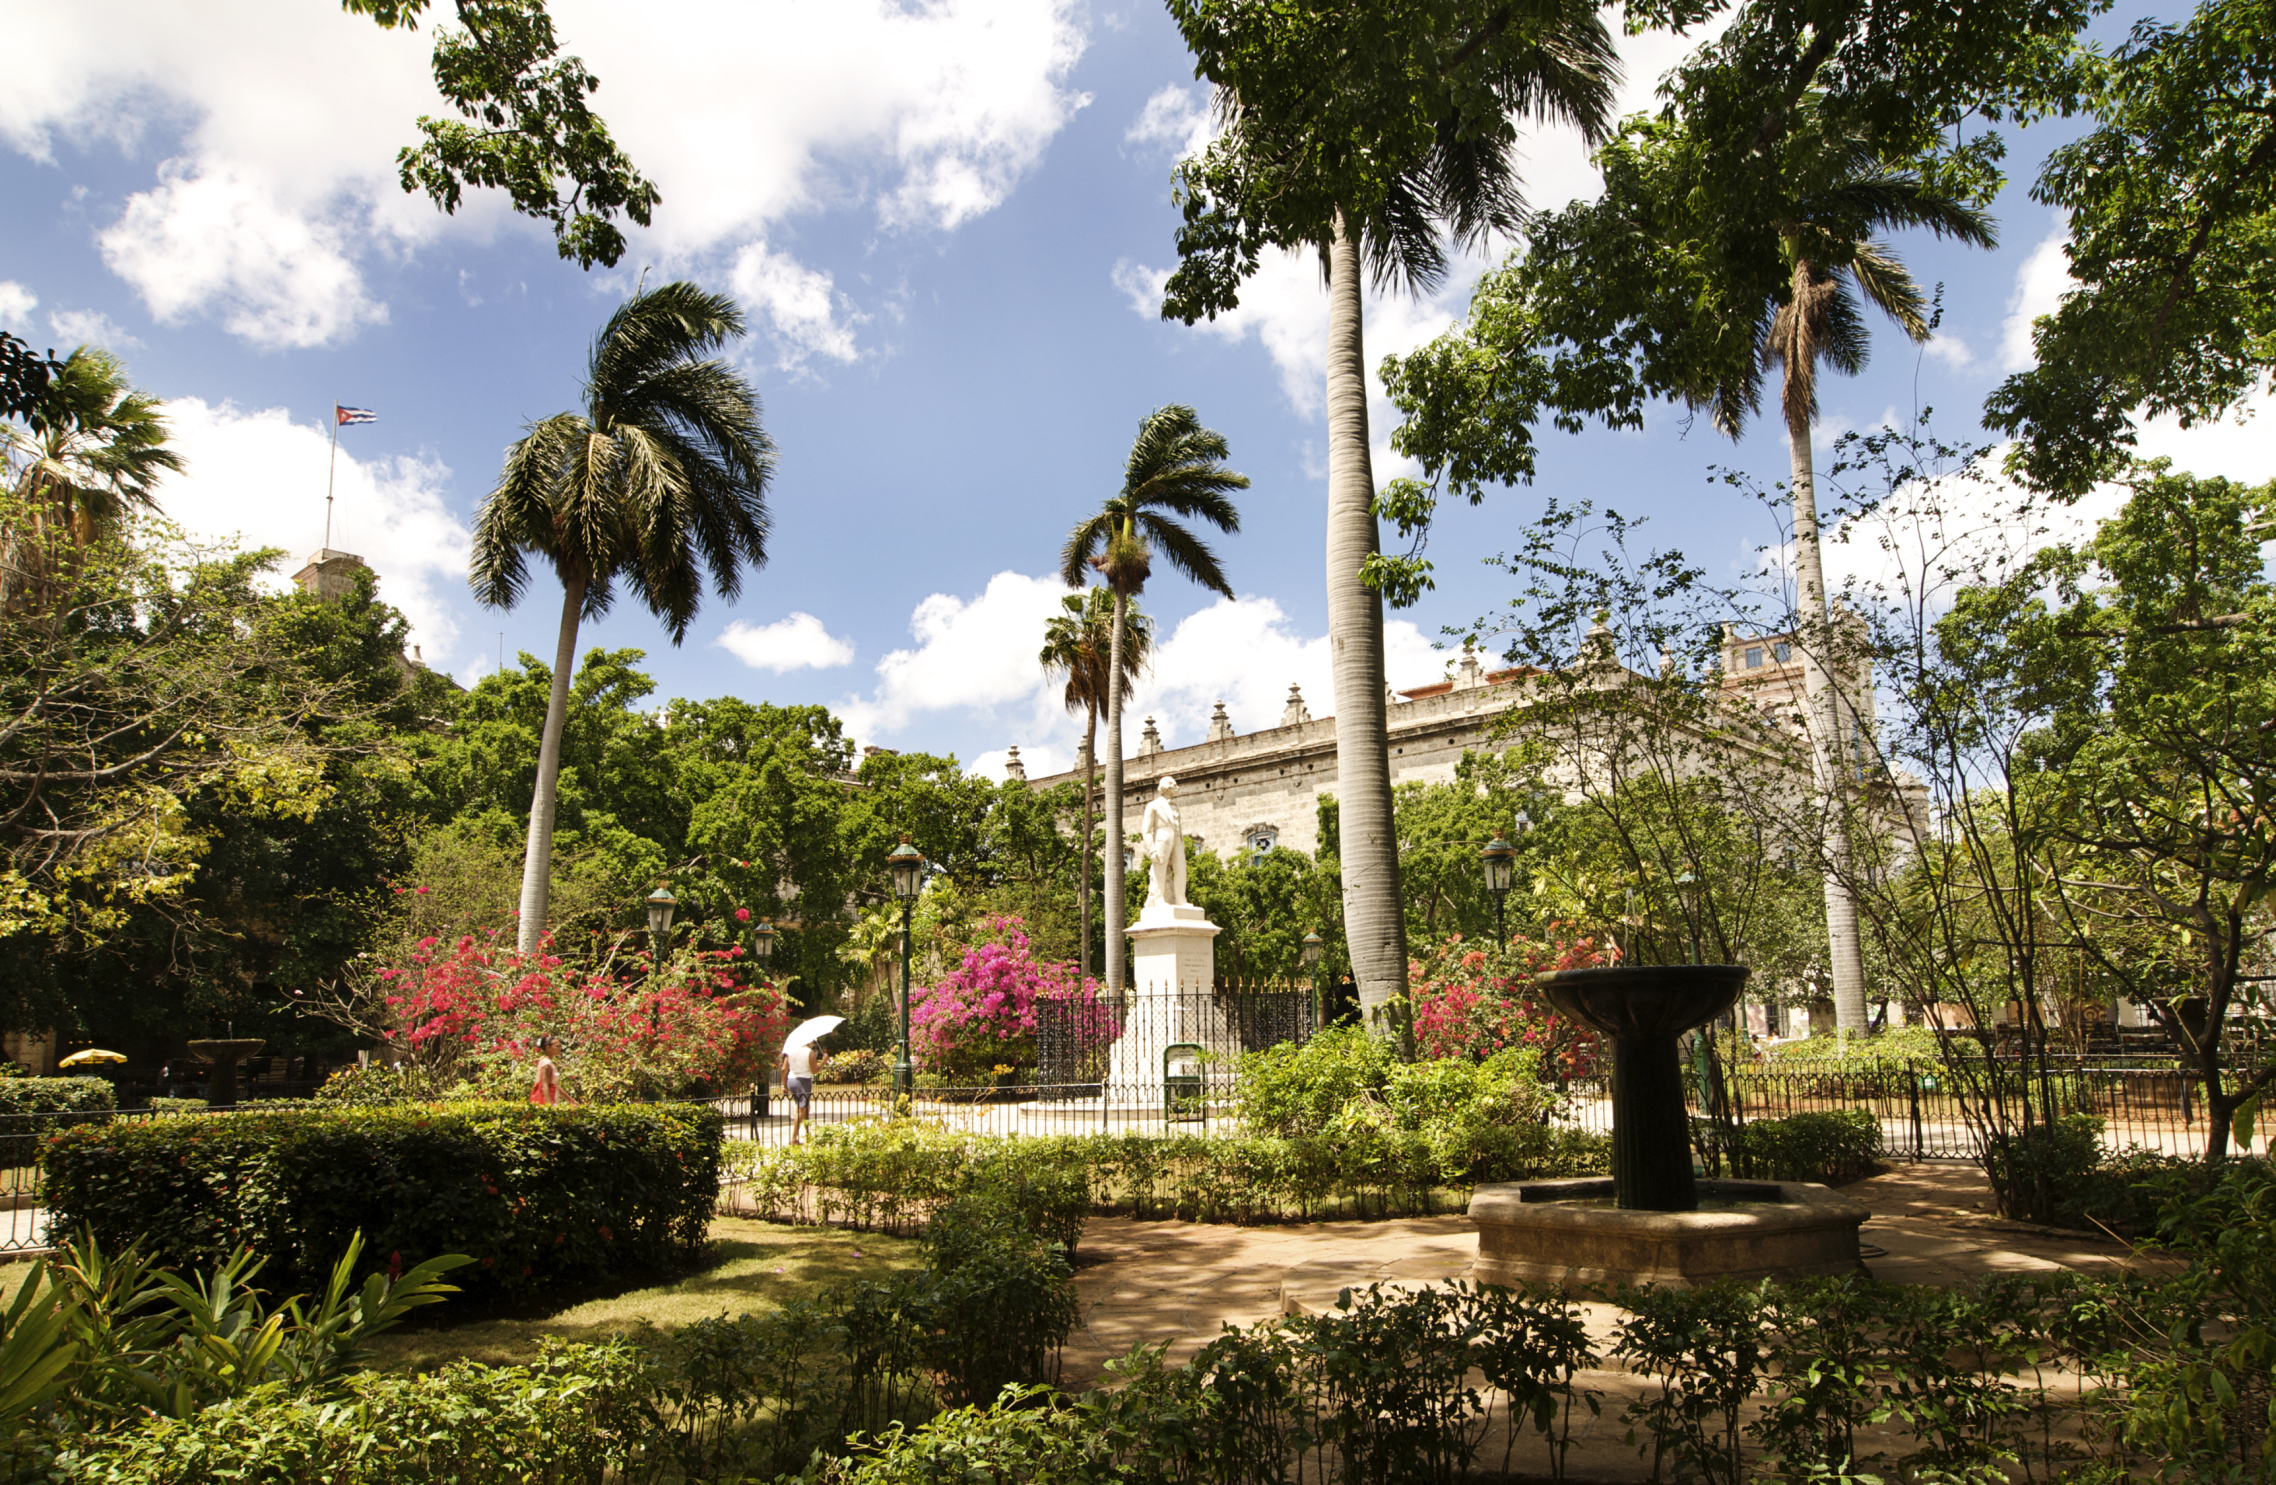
pixel 1187 552
pixel 1889 286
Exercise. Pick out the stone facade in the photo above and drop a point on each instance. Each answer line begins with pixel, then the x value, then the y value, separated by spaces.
pixel 1236 792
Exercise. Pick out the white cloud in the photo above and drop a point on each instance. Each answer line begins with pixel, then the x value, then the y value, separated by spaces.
pixel 1176 116
pixel 973 654
pixel 797 302
pixel 259 475
pixel 1245 653
pixel 77 327
pixel 796 643
pixel 976 657
pixel 1950 349
pixel 16 304
pixel 279 122
pixel 2241 446
pixel 213 240
pixel 2039 287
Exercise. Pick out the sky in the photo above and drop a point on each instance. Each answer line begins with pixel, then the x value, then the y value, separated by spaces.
pixel 947 221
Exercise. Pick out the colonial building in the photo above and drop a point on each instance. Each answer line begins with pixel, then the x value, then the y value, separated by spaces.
pixel 1254 793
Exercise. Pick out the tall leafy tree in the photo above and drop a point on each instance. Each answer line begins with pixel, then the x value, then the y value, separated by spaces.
pixel 1176 469
pixel 2171 203
pixel 1371 133
pixel 1078 643
pixel 1740 230
pixel 660 479
pixel 91 450
pixel 523 126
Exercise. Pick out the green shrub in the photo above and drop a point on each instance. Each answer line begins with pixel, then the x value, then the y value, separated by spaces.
pixel 1834 1147
pixel 861 1065
pixel 997 1305
pixel 2033 1171
pixel 178 1105
pixel 373 1085
pixel 538 1196
pixel 57 1095
pixel 579 1413
pixel 1301 1088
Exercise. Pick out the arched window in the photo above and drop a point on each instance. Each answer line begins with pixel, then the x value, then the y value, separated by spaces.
pixel 1261 840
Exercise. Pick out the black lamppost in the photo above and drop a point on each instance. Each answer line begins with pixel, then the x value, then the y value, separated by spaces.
pixel 1500 858
pixel 907 867
pixel 762 942
pixel 1312 948
pixel 660 906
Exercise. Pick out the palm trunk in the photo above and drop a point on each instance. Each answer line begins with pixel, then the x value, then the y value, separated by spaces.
pixel 537 861
pixel 1374 925
pixel 1113 843
pixel 1090 786
pixel 1829 752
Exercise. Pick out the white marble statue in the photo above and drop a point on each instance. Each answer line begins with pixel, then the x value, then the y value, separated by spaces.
pixel 1162 836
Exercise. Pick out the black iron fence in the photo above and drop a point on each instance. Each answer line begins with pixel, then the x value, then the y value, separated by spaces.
pixel 1075 1040
pixel 2147 1103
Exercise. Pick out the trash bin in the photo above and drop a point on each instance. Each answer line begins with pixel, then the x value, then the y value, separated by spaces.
pixel 1181 1089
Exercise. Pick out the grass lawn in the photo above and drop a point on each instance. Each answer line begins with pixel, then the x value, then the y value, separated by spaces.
pixel 755 1266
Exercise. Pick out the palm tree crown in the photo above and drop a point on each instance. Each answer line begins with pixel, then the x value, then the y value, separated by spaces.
pixel 1078 642
pixel 95 449
pixel 662 478
pixel 1176 468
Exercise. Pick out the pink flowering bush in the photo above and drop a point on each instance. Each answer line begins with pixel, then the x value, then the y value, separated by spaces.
pixel 472 1015
pixel 982 1015
pixel 1472 1001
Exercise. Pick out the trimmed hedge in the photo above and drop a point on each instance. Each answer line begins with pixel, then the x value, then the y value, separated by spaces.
pixel 581 1413
pixel 1835 1148
pixel 893 1174
pixel 57 1096
pixel 538 1196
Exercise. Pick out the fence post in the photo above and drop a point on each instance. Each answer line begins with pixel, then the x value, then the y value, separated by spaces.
pixel 1912 1086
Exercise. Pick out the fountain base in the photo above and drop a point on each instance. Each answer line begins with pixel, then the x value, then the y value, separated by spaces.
pixel 1567 1232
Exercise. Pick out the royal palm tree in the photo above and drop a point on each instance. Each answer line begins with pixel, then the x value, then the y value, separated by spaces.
pixel 1078 644
pixel 1176 468
pixel 1372 138
pixel 661 478
pixel 94 449
pixel 1829 238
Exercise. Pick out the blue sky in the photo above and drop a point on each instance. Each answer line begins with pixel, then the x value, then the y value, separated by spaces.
pixel 946 221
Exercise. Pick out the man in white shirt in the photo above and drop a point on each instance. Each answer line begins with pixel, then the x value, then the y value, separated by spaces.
pixel 797 1064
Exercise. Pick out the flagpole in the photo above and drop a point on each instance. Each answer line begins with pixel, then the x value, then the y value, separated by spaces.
pixel 330 473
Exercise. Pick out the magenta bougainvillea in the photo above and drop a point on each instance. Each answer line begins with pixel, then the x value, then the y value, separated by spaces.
pixel 1472 1001
pixel 982 1015
pixel 474 1011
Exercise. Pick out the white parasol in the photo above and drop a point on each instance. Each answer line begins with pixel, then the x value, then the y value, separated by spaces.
pixel 90 1056
pixel 808 1031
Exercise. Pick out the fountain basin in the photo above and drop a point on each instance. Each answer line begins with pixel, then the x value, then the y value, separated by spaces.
pixel 225 1054
pixel 1563 1232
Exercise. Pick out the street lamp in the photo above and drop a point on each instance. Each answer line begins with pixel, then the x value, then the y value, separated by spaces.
pixel 661 904
pixel 1500 858
pixel 762 942
pixel 907 867
pixel 1312 949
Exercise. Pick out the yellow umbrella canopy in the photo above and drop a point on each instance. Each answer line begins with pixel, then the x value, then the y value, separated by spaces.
pixel 90 1057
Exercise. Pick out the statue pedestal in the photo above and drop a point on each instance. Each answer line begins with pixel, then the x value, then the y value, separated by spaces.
pixel 1172 1001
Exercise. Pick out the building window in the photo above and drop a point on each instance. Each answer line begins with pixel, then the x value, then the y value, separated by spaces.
pixel 1261 840
pixel 1754 657
pixel 1783 651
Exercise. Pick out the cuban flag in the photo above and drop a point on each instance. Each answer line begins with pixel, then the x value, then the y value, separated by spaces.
pixel 347 416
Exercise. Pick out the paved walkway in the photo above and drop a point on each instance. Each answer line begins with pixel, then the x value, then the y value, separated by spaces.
pixel 1180 1282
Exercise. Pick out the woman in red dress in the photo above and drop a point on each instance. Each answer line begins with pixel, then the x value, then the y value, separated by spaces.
pixel 547 1089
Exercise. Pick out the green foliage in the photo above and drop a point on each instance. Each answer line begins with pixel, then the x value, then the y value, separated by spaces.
pixel 1303 1088
pixel 2034 1169
pixel 539 1196
pixel 526 127
pixel 364 1086
pixel 576 1413
pixel 56 1095
pixel 1835 1147
pixel 2172 305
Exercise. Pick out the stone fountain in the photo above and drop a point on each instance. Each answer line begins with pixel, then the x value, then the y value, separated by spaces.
pixel 225 1055
pixel 1654 1221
